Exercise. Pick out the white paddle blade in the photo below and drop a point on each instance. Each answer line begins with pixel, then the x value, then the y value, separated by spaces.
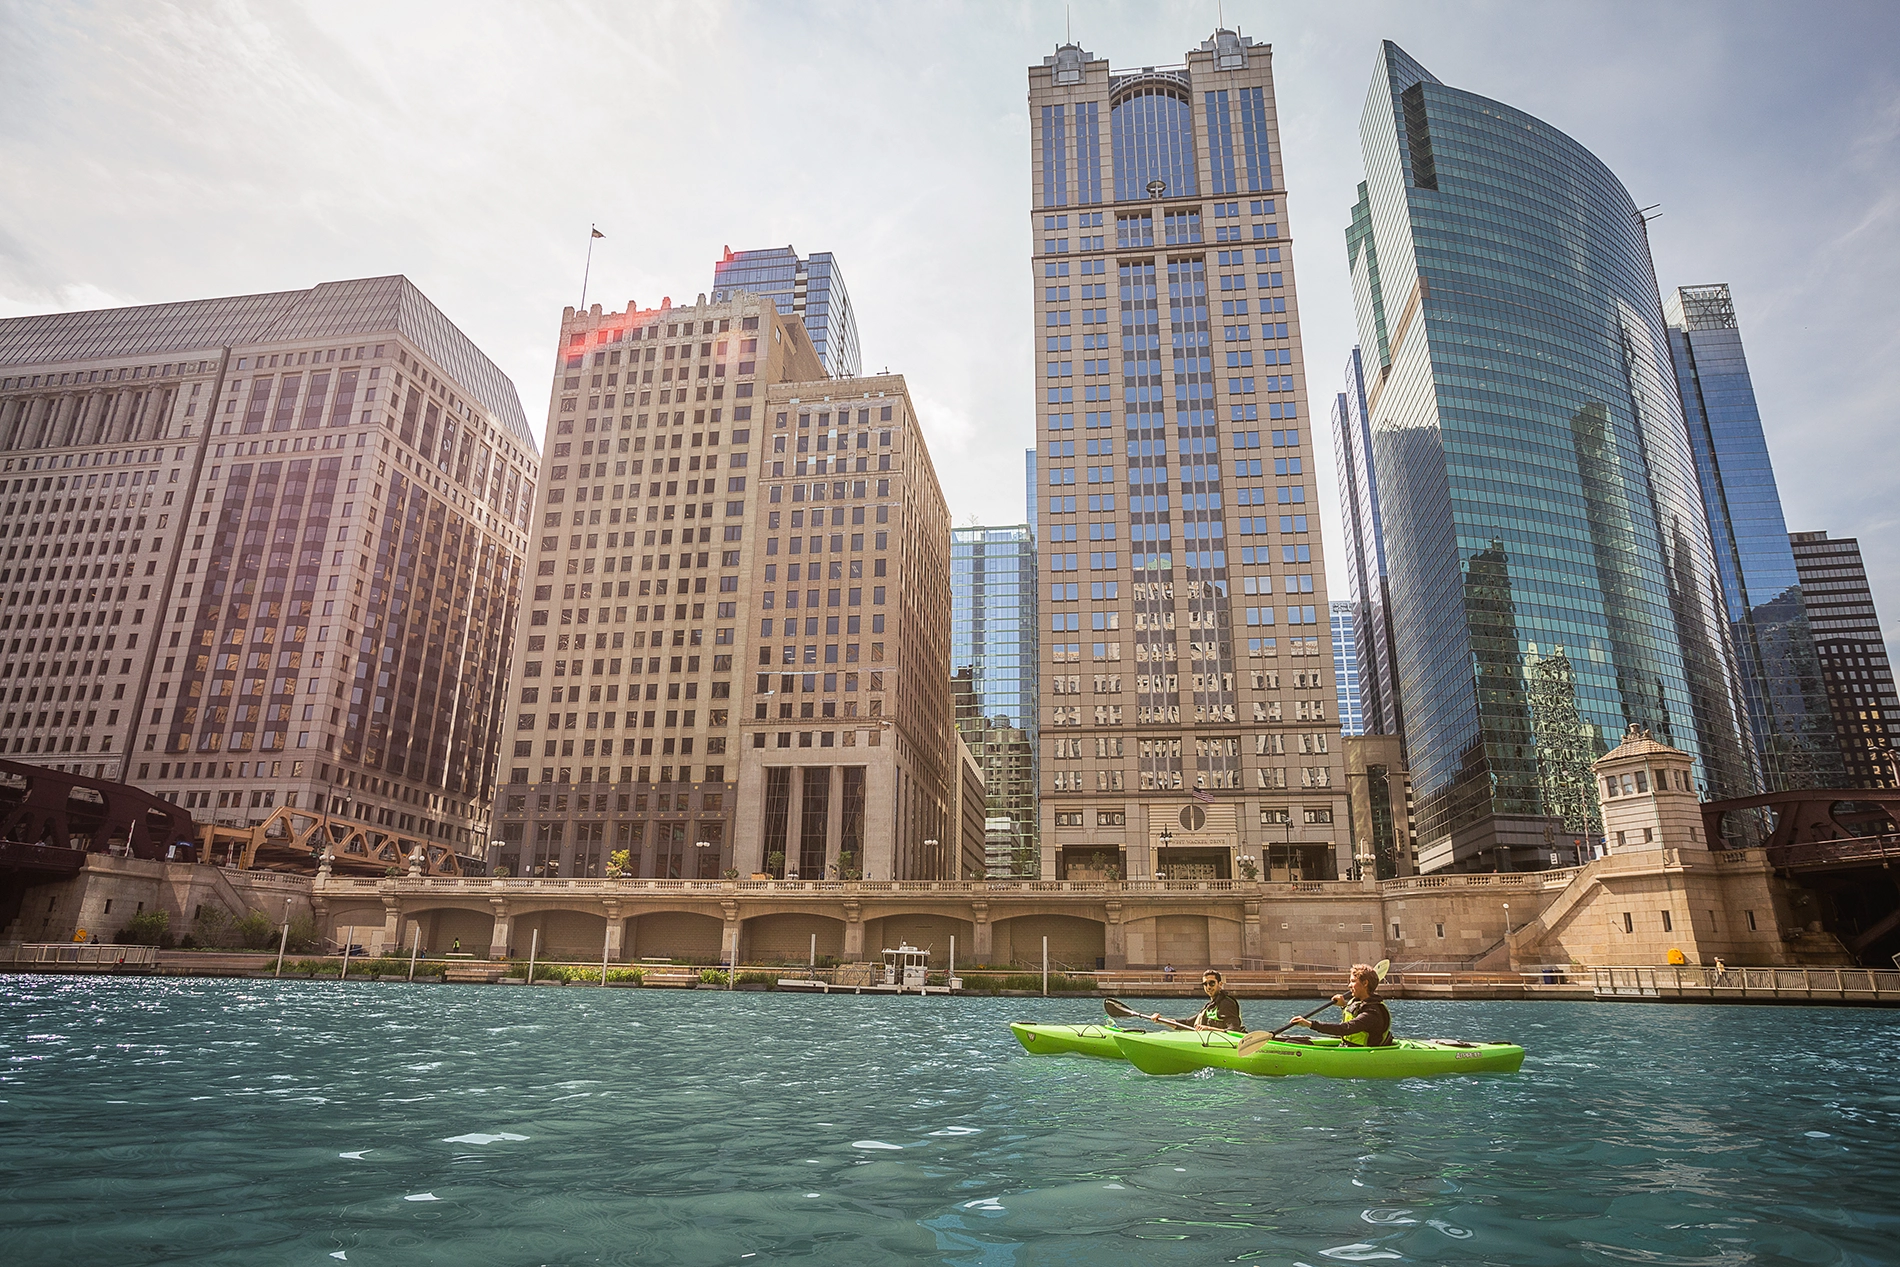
pixel 1254 1041
pixel 1384 966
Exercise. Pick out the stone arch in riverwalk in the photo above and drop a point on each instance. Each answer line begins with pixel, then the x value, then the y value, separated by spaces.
pixel 791 937
pixel 581 919
pixel 1191 924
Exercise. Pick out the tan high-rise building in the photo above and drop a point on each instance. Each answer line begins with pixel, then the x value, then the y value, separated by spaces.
pixel 264 552
pixel 1188 714
pixel 736 648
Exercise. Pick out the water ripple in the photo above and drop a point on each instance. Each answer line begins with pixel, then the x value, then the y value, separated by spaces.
pixel 155 1121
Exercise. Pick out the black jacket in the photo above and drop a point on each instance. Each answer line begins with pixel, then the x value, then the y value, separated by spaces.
pixel 1369 1018
pixel 1222 1012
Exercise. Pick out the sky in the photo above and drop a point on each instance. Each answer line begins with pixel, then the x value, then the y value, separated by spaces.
pixel 157 151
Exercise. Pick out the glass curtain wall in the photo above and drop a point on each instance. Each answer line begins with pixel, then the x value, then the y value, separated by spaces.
pixel 1761 589
pixel 1551 573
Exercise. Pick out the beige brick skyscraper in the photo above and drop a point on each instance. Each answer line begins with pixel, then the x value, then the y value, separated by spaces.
pixel 736 634
pixel 1188 717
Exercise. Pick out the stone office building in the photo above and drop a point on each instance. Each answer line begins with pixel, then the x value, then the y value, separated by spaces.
pixel 735 655
pixel 263 552
pixel 1188 710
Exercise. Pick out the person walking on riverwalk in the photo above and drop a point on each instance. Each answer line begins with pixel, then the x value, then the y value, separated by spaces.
pixel 1368 1023
pixel 1222 1011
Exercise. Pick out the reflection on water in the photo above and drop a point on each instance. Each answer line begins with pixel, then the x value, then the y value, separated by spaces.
pixel 151 1121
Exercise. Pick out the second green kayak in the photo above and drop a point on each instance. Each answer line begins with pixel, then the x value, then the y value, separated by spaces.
pixel 1174 1053
pixel 1060 1040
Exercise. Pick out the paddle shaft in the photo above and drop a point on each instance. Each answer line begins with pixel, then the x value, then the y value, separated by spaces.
pixel 1117 1008
pixel 1309 1016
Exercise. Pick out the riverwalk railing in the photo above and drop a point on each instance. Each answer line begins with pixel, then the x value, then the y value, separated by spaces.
pixel 86 953
pixel 630 887
pixel 1843 985
pixel 633 886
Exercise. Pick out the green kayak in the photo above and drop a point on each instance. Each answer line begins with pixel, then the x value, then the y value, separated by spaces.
pixel 1059 1040
pixel 1329 1057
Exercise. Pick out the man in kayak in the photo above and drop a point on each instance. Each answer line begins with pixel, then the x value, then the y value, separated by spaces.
pixel 1222 1011
pixel 1367 1023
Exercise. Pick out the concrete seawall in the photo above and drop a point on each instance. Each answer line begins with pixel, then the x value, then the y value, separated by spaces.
pixel 1638 908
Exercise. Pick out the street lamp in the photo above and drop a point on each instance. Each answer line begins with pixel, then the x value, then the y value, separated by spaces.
pixel 1166 838
pixel 702 844
pixel 1507 920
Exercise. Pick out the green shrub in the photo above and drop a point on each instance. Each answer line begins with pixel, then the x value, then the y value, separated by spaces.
pixel 385 966
pixel 312 967
pixel 758 978
pixel 634 975
pixel 303 936
pixel 255 931
pixel 147 928
pixel 212 929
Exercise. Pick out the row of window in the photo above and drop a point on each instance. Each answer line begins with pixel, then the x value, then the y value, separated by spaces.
pixel 518 775
pixel 1277 817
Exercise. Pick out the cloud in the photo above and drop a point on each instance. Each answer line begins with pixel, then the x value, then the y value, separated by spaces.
pixel 158 151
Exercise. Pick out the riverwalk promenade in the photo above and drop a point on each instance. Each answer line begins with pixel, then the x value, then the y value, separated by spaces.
pixel 1635 909
pixel 1638 983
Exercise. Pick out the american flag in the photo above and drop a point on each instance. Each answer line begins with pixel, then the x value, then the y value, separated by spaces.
pixel 1202 796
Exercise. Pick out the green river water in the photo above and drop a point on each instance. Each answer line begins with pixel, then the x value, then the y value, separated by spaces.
pixel 259 1122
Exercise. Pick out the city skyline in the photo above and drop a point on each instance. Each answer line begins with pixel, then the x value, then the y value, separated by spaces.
pixel 72 246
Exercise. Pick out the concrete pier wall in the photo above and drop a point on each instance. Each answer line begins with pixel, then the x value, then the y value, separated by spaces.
pixel 1630 908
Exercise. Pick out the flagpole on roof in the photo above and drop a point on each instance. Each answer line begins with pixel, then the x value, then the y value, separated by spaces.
pixel 593 231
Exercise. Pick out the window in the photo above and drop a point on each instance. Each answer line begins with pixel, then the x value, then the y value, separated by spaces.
pixel 1668 922
pixel 1317 816
pixel 1111 818
pixel 1069 820
pixel 1629 922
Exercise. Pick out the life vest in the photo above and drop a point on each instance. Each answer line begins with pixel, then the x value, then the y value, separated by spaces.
pixel 1367 1040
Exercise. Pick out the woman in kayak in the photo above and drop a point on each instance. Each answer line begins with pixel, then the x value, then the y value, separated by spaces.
pixel 1222 1011
pixel 1367 1023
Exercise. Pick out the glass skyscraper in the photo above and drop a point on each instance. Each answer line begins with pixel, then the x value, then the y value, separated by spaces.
pixel 811 288
pixel 1768 623
pixel 993 672
pixel 1365 557
pixel 1029 486
pixel 1550 568
pixel 1346 677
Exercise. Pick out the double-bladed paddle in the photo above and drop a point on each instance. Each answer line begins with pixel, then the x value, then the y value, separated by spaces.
pixel 1259 1038
pixel 1119 1009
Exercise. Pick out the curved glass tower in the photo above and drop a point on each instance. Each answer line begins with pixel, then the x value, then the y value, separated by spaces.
pixel 1552 579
